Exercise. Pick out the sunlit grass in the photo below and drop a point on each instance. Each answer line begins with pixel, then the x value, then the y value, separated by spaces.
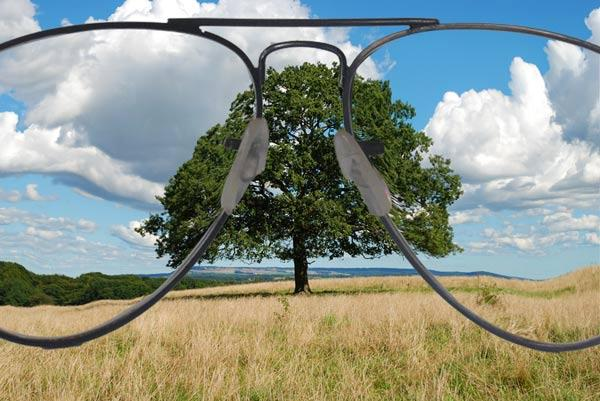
pixel 355 339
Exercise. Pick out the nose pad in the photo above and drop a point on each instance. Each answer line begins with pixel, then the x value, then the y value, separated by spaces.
pixel 250 161
pixel 356 167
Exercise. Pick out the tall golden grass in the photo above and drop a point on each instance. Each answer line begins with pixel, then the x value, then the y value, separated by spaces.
pixel 356 339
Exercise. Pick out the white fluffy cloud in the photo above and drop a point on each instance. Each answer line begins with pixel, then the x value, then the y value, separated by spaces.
pixel 44 234
pixel 520 149
pixel 468 216
pixel 564 220
pixel 132 237
pixel 86 225
pixel 572 82
pixel 40 221
pixel 31 193
pixel 56 251
pixel 40 150
pixel 532 241
pixel 62 245
pixel 123 109
pixel 16 19
pixel 534 149
pixel 547 229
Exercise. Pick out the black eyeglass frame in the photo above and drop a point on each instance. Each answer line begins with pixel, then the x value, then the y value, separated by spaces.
pixel 194 26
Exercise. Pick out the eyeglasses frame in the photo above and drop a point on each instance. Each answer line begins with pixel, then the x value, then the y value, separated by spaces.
pixel 195 27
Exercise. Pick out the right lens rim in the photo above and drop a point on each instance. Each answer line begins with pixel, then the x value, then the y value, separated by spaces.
pixel 352 70
pixel 390 226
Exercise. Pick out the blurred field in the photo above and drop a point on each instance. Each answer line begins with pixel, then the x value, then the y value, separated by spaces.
pixel 388 338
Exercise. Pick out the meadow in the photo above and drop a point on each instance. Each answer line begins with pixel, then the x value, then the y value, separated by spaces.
pixel 380 338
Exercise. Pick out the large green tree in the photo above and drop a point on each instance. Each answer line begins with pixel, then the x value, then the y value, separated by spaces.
pixel 301 208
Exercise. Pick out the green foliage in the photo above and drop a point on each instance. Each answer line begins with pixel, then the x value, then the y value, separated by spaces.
pixel 301 207
pixel 20 287
pixel 488 294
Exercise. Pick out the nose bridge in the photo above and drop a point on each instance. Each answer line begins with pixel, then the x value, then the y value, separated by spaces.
pixel 262 62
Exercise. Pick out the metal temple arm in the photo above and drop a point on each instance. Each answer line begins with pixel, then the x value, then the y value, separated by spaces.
pixel 469 314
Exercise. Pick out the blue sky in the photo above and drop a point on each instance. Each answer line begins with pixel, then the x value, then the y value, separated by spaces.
pixel 522 213
pixel 554 15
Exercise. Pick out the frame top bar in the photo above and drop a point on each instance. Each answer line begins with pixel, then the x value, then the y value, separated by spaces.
pixel 297 22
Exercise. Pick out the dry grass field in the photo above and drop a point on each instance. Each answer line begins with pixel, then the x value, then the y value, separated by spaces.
pixel 354 339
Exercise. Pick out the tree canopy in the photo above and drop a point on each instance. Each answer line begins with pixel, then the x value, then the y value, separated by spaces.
pixel 301 208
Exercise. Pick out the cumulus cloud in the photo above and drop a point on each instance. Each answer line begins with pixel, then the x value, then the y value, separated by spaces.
pixel 12 216
pixel 62 245
pixel 538 211
pixel 572 81
pixel 593 238
pixel 530 242
pixel 137 101
pixel 10 196
pixel 565 221
pixel 548 228
pixel 41 150
pixel 44 234
pixel 468 216
pixel 16 19
pixel 32 193
pixel 52 251
pixel 86 225
pixel 132 237
pixel 519 150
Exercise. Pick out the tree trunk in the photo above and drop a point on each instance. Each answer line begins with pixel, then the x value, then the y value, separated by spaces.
pixel 300 267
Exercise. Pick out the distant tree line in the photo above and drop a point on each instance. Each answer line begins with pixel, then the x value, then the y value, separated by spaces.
pixel 20 287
